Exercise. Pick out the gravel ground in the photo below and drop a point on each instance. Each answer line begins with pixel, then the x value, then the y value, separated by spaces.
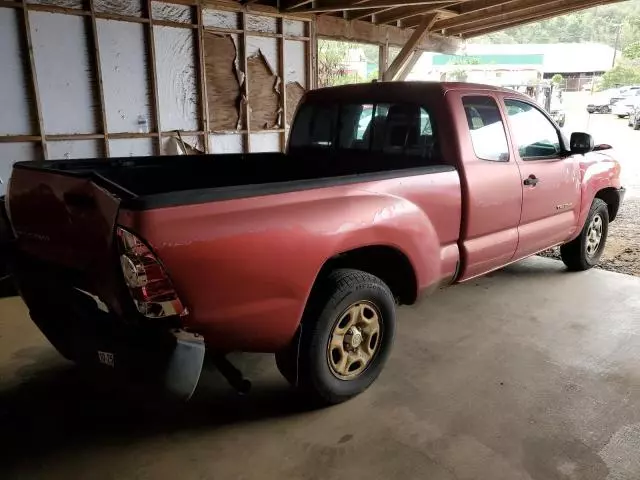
pixel 622 251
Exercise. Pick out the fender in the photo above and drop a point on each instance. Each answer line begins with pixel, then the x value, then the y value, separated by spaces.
pixel 598 171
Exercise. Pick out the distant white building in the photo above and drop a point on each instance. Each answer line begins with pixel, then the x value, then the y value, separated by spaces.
pixel 510 64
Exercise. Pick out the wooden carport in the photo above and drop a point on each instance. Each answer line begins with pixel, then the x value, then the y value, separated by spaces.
pixel 428 20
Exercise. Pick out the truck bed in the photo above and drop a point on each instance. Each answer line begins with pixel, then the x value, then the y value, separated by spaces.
pixel 160 181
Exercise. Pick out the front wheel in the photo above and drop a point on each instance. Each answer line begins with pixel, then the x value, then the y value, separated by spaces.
pixel 585 251
pixel 621 116
pixel 345 337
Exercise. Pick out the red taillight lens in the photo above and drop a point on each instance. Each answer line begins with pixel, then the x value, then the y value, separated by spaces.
pixel 146 278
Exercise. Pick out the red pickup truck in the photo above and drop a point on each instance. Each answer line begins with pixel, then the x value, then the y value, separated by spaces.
pixel 387 191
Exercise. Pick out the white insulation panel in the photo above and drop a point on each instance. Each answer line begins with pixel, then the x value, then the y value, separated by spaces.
pixel 65 77
pixel 124 76
pixel 220 19
pixel 294 62
pixel 176 71
pixel 171 12
pixel 294 28
pixel 226 143
pixel 69 149
pixel 131 147
pixel 11 153
pixel 262 24
pixel 15 113
pixel 265 142
pixel 130 8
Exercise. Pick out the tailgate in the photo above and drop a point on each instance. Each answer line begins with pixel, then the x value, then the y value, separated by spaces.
pixel 63 219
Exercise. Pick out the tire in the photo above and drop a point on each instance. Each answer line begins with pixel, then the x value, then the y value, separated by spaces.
pixel 561 123
pixel 312 364
pixel 621 116
pixel 575 254
pixel 636 125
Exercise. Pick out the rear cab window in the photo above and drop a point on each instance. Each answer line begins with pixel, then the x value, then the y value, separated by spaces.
pixel 401 135
pixel 486 128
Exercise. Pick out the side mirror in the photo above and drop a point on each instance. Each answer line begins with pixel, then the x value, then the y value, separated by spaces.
pixel 581 143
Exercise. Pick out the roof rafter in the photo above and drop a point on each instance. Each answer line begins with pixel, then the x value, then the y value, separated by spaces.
pixel 524 14
pixel 405 12
pixel 345 5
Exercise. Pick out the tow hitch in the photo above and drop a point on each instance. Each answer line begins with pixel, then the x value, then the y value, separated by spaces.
pixel 231 374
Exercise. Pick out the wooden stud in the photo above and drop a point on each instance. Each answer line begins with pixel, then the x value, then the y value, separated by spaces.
pixel 406 70
pixel 34 80
pixel 283 84
pixel 54 9
pixel 312 55
pixel 98 72
pixel 247 107
pixel 155 99
pixel 416 37
pixel 75 136
pixel 202 78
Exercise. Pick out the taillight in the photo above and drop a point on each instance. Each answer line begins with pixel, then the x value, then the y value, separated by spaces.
pixel 146 278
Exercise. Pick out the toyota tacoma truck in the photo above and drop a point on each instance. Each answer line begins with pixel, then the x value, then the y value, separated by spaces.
pixel 387 191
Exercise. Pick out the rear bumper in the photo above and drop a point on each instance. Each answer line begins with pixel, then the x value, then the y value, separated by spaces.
pixel 81 327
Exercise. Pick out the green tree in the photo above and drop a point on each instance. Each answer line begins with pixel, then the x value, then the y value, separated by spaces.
pixel 557 79
pixel 632 51
pixel 621 74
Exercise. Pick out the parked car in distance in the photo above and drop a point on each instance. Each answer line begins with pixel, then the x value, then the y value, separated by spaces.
pixel 601 102
pixel 625 102
pixel 634 116
pixel 145 264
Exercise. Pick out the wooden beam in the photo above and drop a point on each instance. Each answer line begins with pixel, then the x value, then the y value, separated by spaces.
pixel 533 10
pixel 202 77
pixel 406 70
pixel 246 111
pixel 418 34
pixel 346 5
pixel 383 59
pixel 531 19
pixel 405 12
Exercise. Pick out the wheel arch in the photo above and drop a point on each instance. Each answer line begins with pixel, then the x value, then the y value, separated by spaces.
pixel 610 196
pixel 388 263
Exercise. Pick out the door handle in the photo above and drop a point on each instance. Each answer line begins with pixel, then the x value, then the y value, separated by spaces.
pixel 532 180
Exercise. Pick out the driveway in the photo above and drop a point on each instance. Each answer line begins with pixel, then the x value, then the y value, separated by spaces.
pixel 530 373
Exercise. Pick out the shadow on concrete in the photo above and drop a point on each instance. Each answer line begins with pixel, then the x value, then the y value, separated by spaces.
pixel 66 407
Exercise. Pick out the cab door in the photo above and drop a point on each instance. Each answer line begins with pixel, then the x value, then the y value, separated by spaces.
pixel 550 179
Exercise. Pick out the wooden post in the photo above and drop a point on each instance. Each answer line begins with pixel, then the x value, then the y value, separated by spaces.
pixel 383 59
pixel 155 100
pixel 247 107
pixel 203 78
pixel 283 84
pixel 406 70
pixel 312 56
pixel 34 80
pixel 417 36
pixel 98 72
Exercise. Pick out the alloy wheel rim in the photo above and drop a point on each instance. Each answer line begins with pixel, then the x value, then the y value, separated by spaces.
pixel 594 235
pixel 354 340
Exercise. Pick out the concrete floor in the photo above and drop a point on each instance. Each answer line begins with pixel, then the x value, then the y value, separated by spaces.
pixel 530 373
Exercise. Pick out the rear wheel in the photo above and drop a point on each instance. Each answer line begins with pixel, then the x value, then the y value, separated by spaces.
pixel 344 340
pixel 585 251
pixel 621 116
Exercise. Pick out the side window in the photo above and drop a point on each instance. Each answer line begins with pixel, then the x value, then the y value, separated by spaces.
pixel 314 126
pixel 487 130
pixel 535 136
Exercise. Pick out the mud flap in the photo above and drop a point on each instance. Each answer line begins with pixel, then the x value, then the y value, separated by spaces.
pixel 185 364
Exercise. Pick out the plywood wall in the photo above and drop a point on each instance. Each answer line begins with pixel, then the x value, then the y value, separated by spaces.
pixel 119 77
